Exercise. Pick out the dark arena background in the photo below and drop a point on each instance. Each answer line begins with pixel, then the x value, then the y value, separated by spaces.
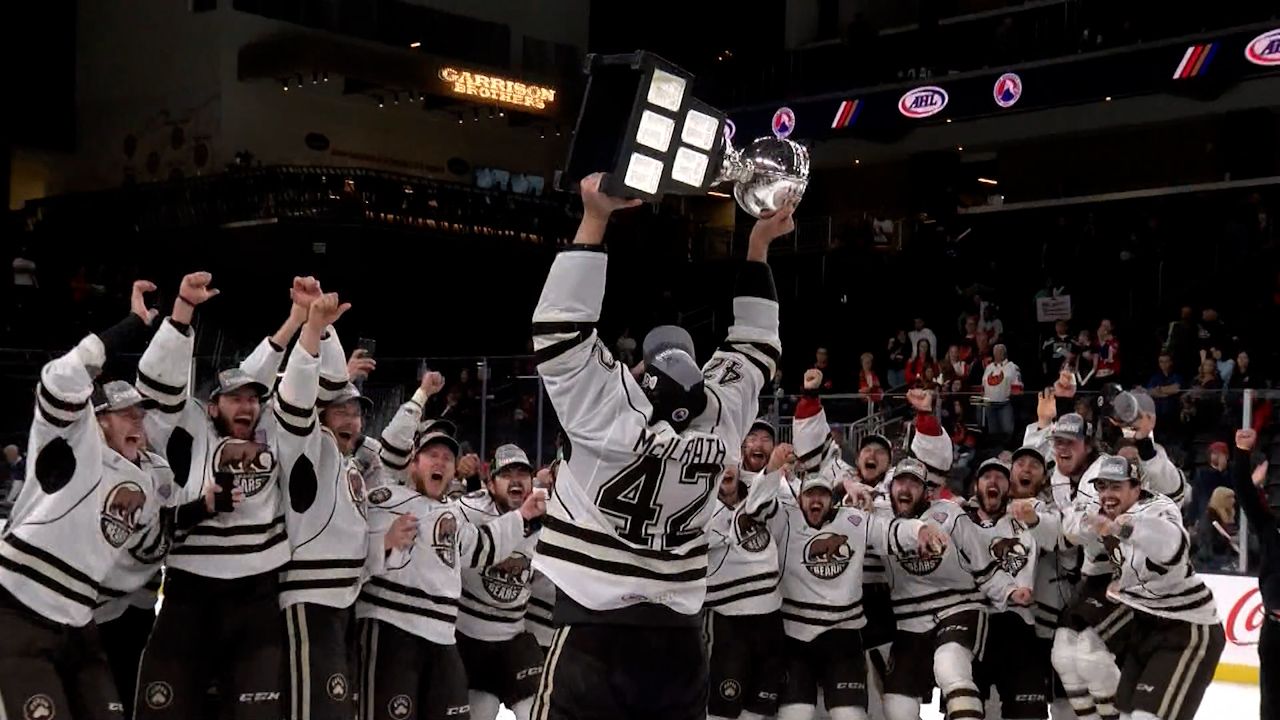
pixel 1090 184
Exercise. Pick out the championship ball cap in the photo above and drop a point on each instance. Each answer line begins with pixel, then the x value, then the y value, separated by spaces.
pixel 875 439
pixel 115 396
pixel 765 425
pixel 669 350
pixel 233 379
pixel 350 392
pixel 994 463
pixel 507 456
pixel 436 437
pixel 913 468
pixel 448 427
pixel 1112 468
pixel 1028 451
pixel 1070 426
pixel 815 480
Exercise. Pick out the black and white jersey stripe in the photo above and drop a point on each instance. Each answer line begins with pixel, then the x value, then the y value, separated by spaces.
pixel 48 570
pixel 384 593
pixel 479 609
pixel 936 604
pixel 732 591
pixel 605 554
pixel 823 615
pixel 321 574
pixel 218 540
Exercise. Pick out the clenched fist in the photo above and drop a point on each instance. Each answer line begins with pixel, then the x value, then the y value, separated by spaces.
pixel 401 534
pixel 812 379
pixel 783 455
pixel 468 465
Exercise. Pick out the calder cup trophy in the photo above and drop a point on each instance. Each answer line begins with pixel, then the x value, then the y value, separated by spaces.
pixel 640 123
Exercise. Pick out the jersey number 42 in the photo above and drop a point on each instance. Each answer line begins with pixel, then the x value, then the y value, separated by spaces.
pixel 638 498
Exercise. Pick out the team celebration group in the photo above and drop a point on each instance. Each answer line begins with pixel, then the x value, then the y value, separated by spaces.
pixel 675 561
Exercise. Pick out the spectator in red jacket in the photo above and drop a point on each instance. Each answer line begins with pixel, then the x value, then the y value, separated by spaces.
pixel 868 380
pixel 923 371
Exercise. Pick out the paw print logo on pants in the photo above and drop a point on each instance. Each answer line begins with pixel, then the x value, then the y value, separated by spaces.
pixel 400 706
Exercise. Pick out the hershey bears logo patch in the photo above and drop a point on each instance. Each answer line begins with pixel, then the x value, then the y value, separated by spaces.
pixel 730 689
pixel 158 695
pixel 753 535
pixel 1010 554
pixel 916 564
pixel 444 539
pixel 336 686
pixel 39 707
pixel 505 581
pixel 827 555
pixel 249 463
pixel 120 512
pixel 377 496
pixel 355 484
pixel 400 706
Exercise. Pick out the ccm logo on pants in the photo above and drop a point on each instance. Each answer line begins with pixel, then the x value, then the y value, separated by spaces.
pixel 259 697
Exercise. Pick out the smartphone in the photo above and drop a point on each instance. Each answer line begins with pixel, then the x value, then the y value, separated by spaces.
pixel 368 345
pixel 222 501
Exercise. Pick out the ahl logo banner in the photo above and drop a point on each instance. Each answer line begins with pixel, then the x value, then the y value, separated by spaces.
pixel 1265 49
pixel 923 102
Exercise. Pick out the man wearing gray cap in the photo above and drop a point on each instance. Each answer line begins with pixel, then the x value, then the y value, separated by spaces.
pixel 939 601
pixel 502 659
pixel 94 493
pixel 324 517
pixel 1174 635
pixel 221 583
pixel 1092 622
pixel 624 539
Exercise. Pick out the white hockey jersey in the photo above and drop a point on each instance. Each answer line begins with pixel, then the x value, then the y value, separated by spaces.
pixel 627 524
pixel 542 603
pixel 1014 550
pixel 323 488
pixel 82 503
pixel 822 567
pixel 1153 567
pixel 134 579
pixel 964 577
pixel 251 539
pixel 396 442
pixel 743 557
pixel 495 597
pixel 417 589
pixel 1057 561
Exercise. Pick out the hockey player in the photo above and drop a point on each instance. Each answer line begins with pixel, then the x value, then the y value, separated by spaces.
pixel 410 666
pixel 503 660
pixel 91 489
pixel 1022 686
pixel 1032 505
pixel 221 585
pixel 938 603
pixel 1176 638
pixel 324 517
pixel 743 621
pixel 929 443
pixel 1091 620
pixel 822 591
pixel 625 537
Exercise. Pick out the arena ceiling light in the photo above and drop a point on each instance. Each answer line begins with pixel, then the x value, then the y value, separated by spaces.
pixel 641 124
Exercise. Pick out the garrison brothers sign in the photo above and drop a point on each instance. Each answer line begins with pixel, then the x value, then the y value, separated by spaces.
pixel 496 89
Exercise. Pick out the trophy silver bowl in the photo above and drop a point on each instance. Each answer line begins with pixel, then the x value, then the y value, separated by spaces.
pixel 766 173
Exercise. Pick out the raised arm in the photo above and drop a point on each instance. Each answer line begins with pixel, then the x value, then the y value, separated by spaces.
pixel 398 436
pixel 580 374
pixel 810 429
pixel 1159 474
pixel 740 367
pixel 1261 520
pixel 263 363
pixel 164 372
